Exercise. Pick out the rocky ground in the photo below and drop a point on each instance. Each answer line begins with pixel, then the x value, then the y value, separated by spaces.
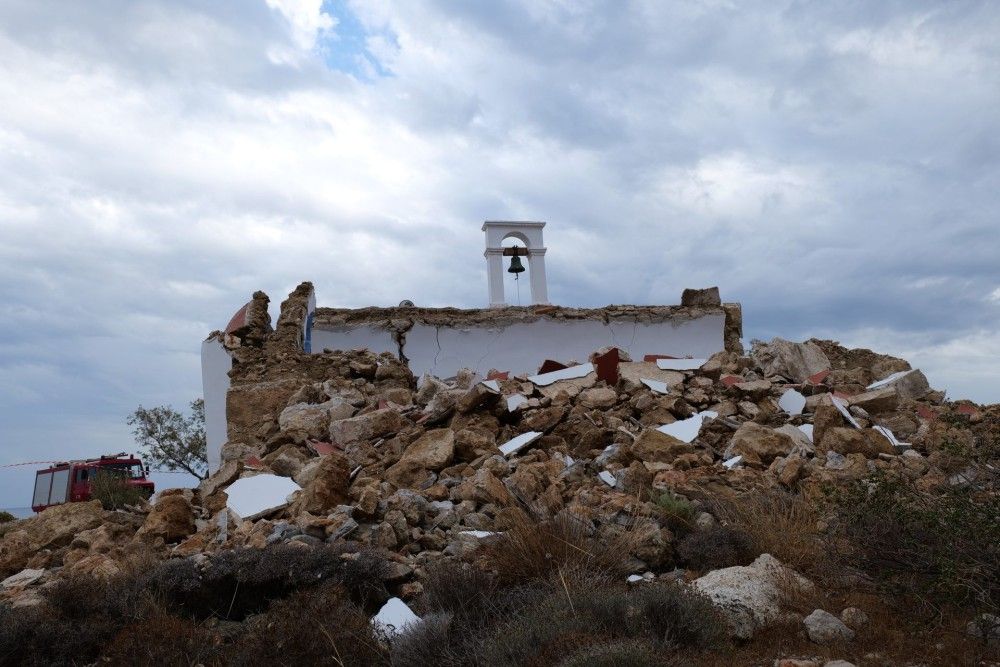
pixel 803 504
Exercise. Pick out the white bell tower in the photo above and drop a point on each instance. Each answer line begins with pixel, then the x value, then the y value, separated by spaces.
pixel 528 233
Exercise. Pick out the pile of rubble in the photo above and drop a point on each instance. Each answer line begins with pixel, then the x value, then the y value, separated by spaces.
pixel 348 445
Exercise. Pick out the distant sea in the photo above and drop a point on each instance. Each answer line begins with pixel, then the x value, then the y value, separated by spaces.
pixel 19 512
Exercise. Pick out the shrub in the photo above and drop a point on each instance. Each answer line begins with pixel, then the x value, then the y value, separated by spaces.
pixel 162 640
pixel 6 517
pixel 660 617
pixel 717 547
pixel 424 643
pixel 113 492
pixel 240 582
pixel 679 616
pixel 941 548
pixel 559 547
pixel 677 511
pixel 314 627
pixel 78 618
pixel 630 653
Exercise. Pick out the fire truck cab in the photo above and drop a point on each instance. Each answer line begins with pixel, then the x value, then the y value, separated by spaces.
pixel 70 481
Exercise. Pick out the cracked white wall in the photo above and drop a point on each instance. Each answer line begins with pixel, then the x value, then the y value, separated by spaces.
pixel 215 366
pixel 521 347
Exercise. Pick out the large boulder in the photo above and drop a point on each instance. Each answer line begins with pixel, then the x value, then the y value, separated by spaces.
pixel 327 485
pixel 655 446
pixel 375 424
pixel 867 442
pixel 750 597
pixel 433 451
pixel 794 361
pixel 172 517
pixel 759 445
pixel 312 420
pixel 51 529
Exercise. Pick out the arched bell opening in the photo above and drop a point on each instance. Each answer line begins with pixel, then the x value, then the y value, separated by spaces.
pixel 517 277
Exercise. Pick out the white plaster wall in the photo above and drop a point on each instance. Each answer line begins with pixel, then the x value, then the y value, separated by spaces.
pixel 215 366
pixel 350 338
pixel 522 347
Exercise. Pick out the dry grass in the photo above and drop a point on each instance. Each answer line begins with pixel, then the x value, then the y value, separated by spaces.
pixel 558 549
pixel 780 524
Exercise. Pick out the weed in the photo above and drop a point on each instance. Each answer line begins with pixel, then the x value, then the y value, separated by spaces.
pixel 717 547
pixel 677 511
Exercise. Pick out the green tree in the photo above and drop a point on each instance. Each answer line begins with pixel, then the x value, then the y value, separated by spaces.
pixel 171 439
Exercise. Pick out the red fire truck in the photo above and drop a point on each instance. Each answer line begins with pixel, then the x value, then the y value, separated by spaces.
pixel 70 481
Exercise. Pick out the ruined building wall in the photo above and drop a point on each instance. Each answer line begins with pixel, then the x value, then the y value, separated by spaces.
pixel 250 371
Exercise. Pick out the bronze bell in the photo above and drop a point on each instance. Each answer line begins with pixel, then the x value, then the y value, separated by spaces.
pixel 515 265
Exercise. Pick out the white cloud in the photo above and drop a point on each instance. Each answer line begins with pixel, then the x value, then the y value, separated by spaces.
pixel 307 20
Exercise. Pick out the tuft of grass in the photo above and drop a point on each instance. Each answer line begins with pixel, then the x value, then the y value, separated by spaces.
pixel 311 627
pixel 777 523
pixel 6 517
pixel 652 619
pixel 561 547
pixel 677 511
pixel 717 547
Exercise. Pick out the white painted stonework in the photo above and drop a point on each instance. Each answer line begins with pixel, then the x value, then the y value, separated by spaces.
pixel 522 347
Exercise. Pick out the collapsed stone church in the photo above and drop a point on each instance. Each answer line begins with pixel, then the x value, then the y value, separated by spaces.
pixel 440 342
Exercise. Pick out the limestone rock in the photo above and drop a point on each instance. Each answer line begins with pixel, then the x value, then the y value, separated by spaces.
pixel 795 361
pixel 328 486
pixel 875 401
pixel 708 296
pixel 750 596
pixel 867 442
pixel 654 446
pixel 759 445
pixel 375 424
pixel 55 527
pixel 598 397
pixel 172 518
pixel 825 628
pixel 431 452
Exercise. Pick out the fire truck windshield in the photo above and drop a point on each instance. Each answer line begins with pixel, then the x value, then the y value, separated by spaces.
pixel 130 470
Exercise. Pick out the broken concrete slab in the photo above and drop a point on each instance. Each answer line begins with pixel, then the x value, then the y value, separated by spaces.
pixel 841 406
pixel 394 618
pixel 656 386
pixel 792 402
pixel 680 364
pixel 516 401
pixel 492 385
pixel 686 430
pixel 909 385
pixel 514 445
pixel 571 373
pixel 729 464
pixel 252 497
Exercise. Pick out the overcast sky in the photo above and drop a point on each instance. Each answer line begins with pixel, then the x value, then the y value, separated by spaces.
pixel 834 166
